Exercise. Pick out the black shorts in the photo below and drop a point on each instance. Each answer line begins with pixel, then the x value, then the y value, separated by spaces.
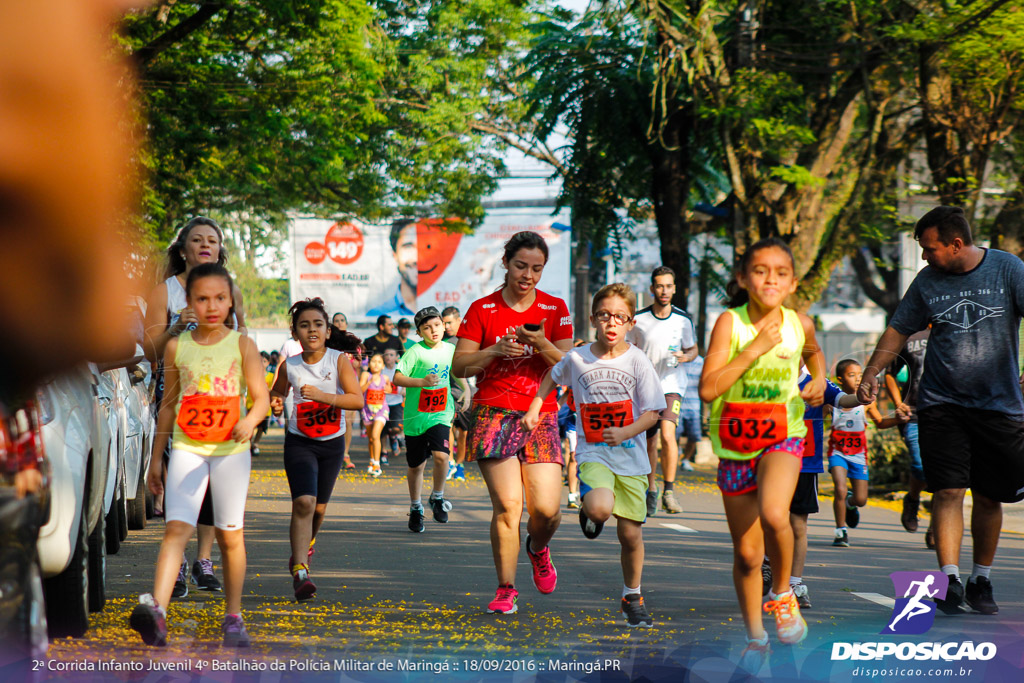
pixel 673 404
pixel 206 509
pixel 421 447
pixel 461 420
pixel 982 450
pixel 805 498
pixel 396 415
pixel 312 466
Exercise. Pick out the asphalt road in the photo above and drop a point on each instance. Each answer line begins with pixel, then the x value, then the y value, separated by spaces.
pixel 412 606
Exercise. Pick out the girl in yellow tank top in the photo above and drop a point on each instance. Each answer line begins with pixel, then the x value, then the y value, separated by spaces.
pixel 757 431
pixel 207 373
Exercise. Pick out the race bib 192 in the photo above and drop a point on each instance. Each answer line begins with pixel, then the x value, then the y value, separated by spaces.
pixel 433 400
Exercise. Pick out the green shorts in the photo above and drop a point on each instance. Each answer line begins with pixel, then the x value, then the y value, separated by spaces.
pixel 630 491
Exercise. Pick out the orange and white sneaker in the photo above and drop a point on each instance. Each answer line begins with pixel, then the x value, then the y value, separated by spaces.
pixel 789 624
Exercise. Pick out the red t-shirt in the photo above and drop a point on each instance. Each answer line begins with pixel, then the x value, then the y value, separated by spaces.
pixel 511 383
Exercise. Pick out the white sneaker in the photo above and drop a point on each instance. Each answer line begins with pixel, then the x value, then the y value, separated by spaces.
pixel 755 655
pixel 803 597
pixel 686 465
pixel 451 471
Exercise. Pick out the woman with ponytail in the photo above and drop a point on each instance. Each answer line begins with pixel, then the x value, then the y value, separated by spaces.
pixel 509 340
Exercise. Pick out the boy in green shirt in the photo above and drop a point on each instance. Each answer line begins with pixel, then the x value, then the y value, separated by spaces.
pixel 424 371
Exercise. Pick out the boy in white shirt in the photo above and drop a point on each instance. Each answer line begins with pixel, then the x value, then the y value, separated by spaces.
pixel 618 398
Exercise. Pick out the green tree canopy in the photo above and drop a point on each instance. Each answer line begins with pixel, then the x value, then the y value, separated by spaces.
pixel 332 107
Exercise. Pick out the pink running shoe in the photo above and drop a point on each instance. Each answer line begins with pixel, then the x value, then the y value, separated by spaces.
pixel 545 577
pixel 504 601
pixel 150 622
pixel 304 587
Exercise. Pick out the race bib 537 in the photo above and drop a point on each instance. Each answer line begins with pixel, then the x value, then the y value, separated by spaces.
pixel 597 417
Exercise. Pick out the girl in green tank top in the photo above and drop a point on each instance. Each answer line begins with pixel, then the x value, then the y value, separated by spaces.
pixel 757 431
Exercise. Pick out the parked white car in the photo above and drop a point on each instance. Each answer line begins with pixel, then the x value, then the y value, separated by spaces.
pixel 72 543
pixel 115 505
pixel 23 630
pixel 140 411
pixel 124 389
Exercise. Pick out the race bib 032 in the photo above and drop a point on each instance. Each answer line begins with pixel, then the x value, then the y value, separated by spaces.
pixel 752 427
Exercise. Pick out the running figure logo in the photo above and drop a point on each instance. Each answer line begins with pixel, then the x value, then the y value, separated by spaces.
pixel 914 613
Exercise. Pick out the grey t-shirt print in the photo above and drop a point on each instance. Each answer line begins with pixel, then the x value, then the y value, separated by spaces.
pixel 972 350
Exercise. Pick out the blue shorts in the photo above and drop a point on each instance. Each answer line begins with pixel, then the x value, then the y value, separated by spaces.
pixel 736 477
pixel 689 426
pixel 854 470
pixel 566 421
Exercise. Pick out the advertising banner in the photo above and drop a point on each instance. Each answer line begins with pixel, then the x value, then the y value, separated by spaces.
pixel 365 270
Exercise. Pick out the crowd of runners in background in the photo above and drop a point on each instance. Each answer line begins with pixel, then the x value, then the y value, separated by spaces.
pixel 595 425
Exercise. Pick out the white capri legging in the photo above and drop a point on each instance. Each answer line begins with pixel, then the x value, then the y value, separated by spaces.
pixel 188 475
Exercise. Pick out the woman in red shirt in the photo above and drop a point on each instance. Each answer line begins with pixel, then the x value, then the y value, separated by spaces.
pixel 508 341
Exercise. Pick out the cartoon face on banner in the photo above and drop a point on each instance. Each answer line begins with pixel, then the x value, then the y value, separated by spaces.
pixel 474 268
pixel 365 270
pixel 435 247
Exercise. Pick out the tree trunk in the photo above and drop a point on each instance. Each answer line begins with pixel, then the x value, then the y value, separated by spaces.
pixel 887 296
pixel 670 189
pixel 945 152
pixel 581 270
pixel 1008 227
pixel 583 231
pixel 177 33
pixel 702 299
